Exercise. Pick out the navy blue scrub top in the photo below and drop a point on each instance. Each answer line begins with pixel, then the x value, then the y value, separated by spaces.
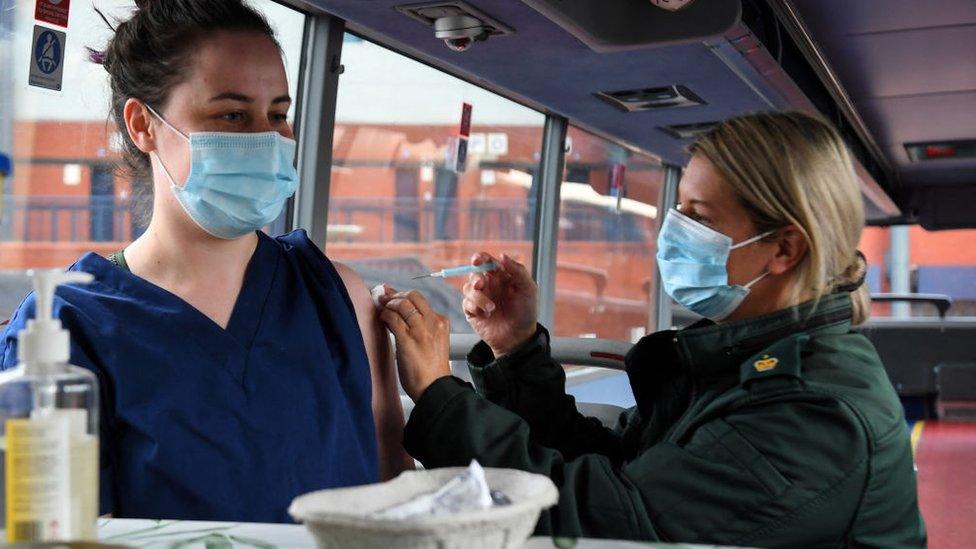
pixel 203 423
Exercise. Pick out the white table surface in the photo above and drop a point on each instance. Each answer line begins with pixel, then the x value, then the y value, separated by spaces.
pixel 174 534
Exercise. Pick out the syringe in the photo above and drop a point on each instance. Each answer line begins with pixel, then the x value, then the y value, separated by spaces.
pixel 460 271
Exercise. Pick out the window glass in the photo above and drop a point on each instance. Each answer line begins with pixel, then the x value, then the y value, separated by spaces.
pixel 605 266
pixel 930 262
pixel 63 193
pixel 401 204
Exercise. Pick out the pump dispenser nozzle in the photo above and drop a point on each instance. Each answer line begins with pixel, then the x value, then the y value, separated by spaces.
pixel 44 341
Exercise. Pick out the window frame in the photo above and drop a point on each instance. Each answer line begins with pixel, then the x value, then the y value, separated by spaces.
pixel 317 109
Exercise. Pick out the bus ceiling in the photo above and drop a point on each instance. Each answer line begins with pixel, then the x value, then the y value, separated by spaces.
pixel 654 79
pixel 910 71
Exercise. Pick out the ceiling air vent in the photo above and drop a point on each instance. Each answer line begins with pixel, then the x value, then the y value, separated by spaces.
pixel 428 12
pixel 651 98
pixel 688 131
pixel 938 150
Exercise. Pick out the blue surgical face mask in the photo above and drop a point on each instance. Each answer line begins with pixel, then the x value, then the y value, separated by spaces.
pixel 238 182
pixel 692 258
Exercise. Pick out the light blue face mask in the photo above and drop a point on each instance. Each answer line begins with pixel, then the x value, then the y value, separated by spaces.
pixel 238 182
pixel 692 258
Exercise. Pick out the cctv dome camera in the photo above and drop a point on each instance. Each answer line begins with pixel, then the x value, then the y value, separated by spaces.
pixel 459 32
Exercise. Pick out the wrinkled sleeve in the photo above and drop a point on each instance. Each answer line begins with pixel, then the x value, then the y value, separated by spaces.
pixel 451 425
pixel 723 484
pixel 81 355
pixel 529 383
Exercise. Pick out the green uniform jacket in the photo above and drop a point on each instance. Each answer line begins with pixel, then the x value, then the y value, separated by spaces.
pixel 781 430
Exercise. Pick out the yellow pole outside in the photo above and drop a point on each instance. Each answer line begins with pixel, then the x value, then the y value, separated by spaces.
pixel 917 436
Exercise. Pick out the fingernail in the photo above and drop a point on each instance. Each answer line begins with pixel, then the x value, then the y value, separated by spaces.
pixel 490 307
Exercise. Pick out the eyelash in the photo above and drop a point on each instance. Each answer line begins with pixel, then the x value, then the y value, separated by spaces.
pixel 240 116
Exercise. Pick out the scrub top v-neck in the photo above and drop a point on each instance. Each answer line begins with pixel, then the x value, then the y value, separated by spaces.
pixel 201 422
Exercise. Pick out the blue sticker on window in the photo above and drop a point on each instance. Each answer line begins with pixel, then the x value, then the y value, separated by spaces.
pixel 47 58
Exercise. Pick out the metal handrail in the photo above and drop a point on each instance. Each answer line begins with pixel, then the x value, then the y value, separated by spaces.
pixel 941 302
pixel 602 353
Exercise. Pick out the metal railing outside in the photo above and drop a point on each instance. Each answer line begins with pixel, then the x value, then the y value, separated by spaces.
pixel 356 220
pixel 67 219
pixel 421 220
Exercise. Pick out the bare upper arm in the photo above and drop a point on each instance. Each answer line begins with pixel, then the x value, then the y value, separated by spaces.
pixel 365 309
pixel 387 410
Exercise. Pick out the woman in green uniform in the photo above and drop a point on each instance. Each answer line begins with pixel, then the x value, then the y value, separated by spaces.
pixel 769 423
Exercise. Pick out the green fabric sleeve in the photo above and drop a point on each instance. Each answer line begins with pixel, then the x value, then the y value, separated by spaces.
pixel 529 383
pixel 451 425
pixel 733 481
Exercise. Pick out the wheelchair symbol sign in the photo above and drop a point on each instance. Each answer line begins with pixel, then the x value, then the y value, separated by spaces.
pixel 47 58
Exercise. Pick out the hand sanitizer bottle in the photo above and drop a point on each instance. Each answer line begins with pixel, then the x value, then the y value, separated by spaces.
pixel 48 430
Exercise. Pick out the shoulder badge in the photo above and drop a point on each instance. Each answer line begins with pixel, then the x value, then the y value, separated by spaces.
pixel 765 363
pixel 782 358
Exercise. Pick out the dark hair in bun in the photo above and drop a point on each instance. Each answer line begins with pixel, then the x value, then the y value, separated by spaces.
pixel 151 51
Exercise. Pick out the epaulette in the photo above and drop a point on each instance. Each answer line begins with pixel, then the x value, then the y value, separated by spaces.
pixel 779 359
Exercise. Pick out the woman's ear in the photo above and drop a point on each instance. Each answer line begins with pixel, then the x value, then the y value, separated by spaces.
pixel 791 249
pixel 138 122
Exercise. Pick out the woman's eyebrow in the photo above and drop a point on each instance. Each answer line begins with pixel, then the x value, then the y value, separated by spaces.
pixel 232 96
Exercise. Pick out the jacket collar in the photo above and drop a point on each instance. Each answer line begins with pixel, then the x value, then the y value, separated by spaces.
pixel 717 350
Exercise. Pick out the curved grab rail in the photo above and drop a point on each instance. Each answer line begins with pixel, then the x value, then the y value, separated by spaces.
pixel 578 351
pixel 942 302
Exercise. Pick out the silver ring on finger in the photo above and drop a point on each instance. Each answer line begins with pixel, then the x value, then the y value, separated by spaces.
pixel 410 314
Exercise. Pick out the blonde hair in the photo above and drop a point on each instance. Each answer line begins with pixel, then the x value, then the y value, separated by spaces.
pixel 790 168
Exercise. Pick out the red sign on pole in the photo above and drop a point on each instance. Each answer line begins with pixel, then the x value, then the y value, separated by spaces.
pixel 617 176
pixel 466 120
pixel 54 12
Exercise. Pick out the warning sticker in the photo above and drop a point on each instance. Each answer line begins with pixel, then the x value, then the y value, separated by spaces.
pixel 456 155
pixel 47 58
pixel 465 129
pixel 54 12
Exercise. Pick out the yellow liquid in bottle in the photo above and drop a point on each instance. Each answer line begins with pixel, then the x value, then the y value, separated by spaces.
pixel 84 487
pixel 68 513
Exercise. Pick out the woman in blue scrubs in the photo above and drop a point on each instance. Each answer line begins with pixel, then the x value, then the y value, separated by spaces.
pixel 234 372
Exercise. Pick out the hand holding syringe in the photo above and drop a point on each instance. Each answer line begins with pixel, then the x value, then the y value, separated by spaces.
pixel 500 302
pixel 445 273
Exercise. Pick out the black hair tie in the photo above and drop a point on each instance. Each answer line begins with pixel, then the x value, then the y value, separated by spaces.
pixel 854 285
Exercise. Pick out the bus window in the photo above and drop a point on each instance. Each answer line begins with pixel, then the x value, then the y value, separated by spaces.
pixel 400 204
pixel 605 256
pixel 910 259
pixel 66 193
